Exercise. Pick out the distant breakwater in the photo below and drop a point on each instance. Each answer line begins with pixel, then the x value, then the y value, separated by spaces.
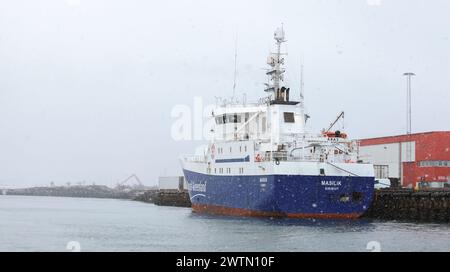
pixel 91 191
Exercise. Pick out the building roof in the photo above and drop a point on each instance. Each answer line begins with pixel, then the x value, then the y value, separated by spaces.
pixel 399 138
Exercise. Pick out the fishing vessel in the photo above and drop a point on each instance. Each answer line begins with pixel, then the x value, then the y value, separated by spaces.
pixel 264 161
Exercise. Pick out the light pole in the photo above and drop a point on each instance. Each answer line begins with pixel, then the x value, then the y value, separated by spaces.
pixel 408 101
pixel 408 115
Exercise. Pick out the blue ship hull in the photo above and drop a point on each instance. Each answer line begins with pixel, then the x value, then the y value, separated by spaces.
pixel 295 196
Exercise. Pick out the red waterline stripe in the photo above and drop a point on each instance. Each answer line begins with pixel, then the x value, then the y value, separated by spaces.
pixel 220 210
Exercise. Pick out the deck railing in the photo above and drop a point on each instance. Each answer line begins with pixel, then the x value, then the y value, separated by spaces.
pixel 274 157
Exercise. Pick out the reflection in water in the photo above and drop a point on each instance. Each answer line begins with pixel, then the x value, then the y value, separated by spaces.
pixel 337 225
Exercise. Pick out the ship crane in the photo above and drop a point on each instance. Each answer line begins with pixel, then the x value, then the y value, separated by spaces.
pixel 341 115
pixel 337 133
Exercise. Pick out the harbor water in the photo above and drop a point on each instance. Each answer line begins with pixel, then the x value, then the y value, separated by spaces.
pixel 29 223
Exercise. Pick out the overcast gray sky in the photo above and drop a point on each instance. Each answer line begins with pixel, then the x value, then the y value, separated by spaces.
pixel 87 87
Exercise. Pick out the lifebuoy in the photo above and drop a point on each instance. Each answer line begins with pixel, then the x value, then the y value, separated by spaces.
pixel 258 158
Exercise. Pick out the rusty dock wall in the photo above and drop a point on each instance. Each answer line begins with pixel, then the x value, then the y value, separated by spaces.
pixel 176 198
pixel 410 205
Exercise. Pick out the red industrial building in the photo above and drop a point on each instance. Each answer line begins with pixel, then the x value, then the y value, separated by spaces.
pixel 416 159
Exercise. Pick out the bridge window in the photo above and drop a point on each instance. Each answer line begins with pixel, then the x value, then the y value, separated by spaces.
pixel 221 119
pixel 234 118
pixel 228 118
pixel 289 117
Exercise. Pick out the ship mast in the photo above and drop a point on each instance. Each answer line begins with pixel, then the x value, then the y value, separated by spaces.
pixel 276 71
